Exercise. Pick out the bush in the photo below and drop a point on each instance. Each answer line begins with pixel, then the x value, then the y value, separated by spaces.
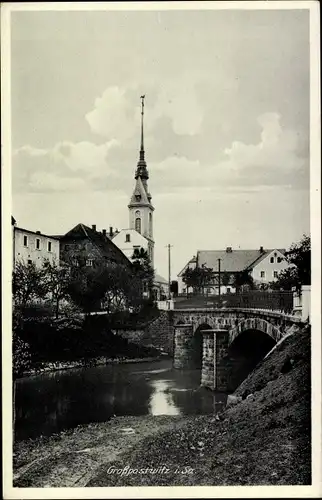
pixel 68 340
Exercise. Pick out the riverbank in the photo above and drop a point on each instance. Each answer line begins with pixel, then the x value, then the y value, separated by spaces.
pixel 58 365
pixel 263 439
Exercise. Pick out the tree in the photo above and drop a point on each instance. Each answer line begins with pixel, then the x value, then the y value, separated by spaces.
pixel 225 278
pixel 198 278
pixel 28 284
pixel 143 270
pixel 87 287
pixel 243 279
pixel 57 279
pixel 299 271
pixel 112 288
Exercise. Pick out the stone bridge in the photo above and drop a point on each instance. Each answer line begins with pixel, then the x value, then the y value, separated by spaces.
pixel 227 343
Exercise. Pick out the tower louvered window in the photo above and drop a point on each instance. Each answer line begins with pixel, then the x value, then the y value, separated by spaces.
pixel 138 224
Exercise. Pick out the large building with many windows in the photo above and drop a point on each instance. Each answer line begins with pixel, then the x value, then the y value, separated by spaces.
pixel 33 246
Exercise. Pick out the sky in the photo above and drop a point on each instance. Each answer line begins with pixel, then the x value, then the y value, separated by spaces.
pixel 226 124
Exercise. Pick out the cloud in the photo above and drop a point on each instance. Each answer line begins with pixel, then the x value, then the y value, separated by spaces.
pixel 66 166
pixel 276 160
pixel 116 112
pixel 273 161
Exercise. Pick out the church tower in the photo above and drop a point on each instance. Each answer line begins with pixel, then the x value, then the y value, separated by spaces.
pixel 140 206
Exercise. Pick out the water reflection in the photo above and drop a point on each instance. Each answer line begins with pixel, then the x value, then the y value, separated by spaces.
pixel 161 402
pixel 51 402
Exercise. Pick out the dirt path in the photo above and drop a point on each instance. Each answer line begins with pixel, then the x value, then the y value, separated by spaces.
pixel 72 458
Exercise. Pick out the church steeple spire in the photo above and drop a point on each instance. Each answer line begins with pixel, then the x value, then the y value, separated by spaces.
pixel 142 130
pixel 140 206
pixel 141 170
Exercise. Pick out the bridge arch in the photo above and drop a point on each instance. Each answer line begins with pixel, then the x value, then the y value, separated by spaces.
pixel 258 324
pixel 248 344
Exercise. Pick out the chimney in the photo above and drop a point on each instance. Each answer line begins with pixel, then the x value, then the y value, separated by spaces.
pixel 111 232
pixel 94 227
pixel 261 250
pixel 229 250
pixel 104 232
pixel 38 232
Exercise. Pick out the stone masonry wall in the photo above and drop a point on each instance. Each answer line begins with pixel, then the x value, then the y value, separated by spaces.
pixel 159 333
pixel 207 373
pixel 183 349
pixel 221 346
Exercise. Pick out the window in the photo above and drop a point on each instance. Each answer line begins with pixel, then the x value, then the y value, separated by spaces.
pixel 49 246
pixel 25 241
pixel 138 197
pixel 279 259
pixel 262 274
pixel 37 243
pixel 271 260
pixel 89 262
pixel 29 262
pixel 138 224
pixel 127 238
pixel 150 224
pixel 275 274
pixel 228 289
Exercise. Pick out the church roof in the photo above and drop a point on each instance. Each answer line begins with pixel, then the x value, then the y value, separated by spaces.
pixel 139 196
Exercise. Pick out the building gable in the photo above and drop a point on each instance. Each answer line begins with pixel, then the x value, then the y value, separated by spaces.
pixel 93 243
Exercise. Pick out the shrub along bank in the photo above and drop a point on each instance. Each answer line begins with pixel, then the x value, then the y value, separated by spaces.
pixel 69 340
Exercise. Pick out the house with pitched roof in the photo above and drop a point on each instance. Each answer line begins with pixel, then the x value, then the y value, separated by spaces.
pixel 263 265
pixel 91 246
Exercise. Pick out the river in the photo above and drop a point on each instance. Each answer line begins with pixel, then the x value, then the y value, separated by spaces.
pixel 55 401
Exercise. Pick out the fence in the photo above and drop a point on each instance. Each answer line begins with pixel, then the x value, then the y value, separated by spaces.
pixel 255 299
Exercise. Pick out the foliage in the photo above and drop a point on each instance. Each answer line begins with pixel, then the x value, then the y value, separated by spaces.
pixel 299 272
pixel 111 288
pixel 89 338
pixel 87 287
pixel 225 278
pixel 143 270
pixel 57 279
pixel 243 280
pixel 198 278
pixel 28 284
pixel 21 356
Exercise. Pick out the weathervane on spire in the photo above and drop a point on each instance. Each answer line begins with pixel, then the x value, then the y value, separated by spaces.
pixel 142 103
